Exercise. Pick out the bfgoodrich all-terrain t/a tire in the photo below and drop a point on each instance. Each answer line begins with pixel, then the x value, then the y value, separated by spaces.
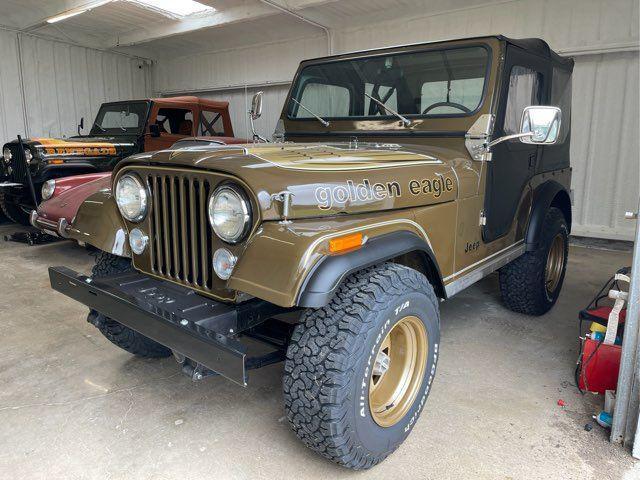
pixel 358 371
pixel 531 284
pixel 116 333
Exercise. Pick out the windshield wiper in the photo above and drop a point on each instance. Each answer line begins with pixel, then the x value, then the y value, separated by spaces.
pixel 404 119
pixel 95 124
pixel 320 119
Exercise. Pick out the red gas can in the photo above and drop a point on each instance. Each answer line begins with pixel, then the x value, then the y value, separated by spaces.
pixel 600 364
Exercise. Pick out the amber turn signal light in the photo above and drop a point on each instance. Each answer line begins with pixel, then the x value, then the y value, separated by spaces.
pixel 346 243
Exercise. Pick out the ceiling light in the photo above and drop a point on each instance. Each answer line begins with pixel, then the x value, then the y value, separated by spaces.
pixel 179 8
pixel 64 16
pixel 73 13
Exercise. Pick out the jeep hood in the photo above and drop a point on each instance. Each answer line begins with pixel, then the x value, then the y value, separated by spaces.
pixel 324 179
pixel 75 147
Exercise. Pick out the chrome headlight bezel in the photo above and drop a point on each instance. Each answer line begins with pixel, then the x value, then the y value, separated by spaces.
pixel 28 156
pixel 48 189
pixel 243 213
pixel 140 190
pixel 6 154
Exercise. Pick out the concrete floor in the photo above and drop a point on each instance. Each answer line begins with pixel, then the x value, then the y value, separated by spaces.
pixel 73 406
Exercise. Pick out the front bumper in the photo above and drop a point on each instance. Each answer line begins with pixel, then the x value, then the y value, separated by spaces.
pixel 57 229
pixel 8 184
pixel 192 326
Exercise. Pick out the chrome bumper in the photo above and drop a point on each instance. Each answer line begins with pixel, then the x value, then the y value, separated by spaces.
pixel 58 229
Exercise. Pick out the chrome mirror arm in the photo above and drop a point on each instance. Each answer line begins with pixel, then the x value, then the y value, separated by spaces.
pixel 495 142
pixel 256 135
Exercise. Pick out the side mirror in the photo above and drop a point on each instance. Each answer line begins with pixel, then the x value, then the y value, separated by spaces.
pixel 154 130
pixel 81 125
pixel 540 125
pixel 254 114
pixel 256 106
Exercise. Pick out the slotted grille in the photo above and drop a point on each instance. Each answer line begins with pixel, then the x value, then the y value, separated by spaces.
pixel 180 237
pixel 18 165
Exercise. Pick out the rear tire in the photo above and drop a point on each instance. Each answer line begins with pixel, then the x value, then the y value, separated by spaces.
pixel 531 284
pixel 121 336
pixel 343 398
pixel 13 211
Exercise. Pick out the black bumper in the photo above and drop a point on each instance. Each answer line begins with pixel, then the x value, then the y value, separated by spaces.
pixel 198 328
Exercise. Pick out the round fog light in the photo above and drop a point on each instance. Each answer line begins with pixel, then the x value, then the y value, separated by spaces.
pixel 138 241
pixel 223 263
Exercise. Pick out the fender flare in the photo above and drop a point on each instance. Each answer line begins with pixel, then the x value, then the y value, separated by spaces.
pixel 326 276
pixel 550 193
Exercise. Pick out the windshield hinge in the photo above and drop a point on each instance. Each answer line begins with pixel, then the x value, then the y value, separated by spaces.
pixel 477 138
pixel 483 218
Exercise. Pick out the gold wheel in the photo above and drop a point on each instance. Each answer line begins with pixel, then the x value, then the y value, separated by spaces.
pixel 555 264
pixel 398 371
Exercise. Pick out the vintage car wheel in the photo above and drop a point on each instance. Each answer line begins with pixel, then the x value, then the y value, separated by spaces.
pixel 116 333
pixel 531 284
pixel 13 211
pixel 359 370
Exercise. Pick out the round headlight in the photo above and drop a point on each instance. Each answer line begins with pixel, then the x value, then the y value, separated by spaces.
pixel 28 155
pixel 48 188
pixel 229 213
pixel 131 197
pixel 6 153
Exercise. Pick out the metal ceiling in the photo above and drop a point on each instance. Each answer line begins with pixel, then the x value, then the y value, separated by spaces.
pixel 253 21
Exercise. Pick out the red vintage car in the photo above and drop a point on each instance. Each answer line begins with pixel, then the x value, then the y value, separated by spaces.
pixel 64 195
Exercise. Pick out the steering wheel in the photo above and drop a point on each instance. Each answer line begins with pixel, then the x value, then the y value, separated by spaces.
pixel 445 104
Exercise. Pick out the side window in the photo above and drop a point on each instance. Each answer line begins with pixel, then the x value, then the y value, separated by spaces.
pixel 211 124
pixel 525 89
pixel 324 100
pixel 561 97
pixel 177 121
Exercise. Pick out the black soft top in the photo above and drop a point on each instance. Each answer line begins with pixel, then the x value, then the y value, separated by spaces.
pixel 533 45
pixel 539 47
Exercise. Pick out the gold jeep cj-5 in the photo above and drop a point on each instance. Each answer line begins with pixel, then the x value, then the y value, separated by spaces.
pixel 397 178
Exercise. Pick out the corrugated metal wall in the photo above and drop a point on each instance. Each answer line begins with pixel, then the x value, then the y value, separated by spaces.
pixel 603 36
pixel 11 113
pixel 62 83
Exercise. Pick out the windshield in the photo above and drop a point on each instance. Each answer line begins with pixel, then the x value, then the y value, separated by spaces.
pixel 120 119
pixel 446 82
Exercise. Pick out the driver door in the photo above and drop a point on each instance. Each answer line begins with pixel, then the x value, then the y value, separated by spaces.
pixel 513 163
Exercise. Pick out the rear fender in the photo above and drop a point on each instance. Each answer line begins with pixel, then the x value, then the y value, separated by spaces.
pixel 549 194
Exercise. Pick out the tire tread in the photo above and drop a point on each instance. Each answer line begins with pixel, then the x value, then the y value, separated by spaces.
pixel 324 352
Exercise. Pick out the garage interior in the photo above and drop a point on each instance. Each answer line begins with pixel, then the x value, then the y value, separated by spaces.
pixel 74 406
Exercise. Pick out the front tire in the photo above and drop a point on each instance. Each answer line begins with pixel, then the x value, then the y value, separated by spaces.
pixel 531 284
pixel 121 336
pixel 359 370
pixel 13 211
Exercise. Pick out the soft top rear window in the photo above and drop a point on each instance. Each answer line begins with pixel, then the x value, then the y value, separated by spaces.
pixel 447 82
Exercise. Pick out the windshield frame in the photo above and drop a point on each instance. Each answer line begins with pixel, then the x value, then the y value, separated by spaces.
pixel 98 133
pixel 412 116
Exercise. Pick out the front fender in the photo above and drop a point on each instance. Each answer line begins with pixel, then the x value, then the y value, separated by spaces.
pixel 324 280
pixel 283 261
pixel 99 223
